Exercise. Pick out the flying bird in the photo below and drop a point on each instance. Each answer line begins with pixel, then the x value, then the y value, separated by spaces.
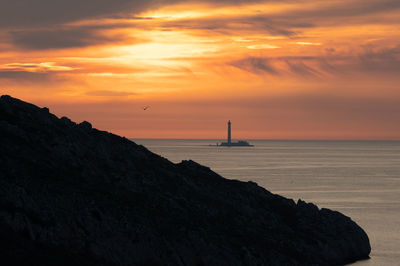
pixel 146 107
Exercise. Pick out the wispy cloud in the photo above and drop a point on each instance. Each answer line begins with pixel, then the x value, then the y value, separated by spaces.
pixel 50 12
pixel 112 93
pixel 35 67
pixel 302 69
pixel 385 60
pixel 33 74
pixel 368 60
pixel 255 65
pixel 263 46
pixel 60 38
pixel 309 43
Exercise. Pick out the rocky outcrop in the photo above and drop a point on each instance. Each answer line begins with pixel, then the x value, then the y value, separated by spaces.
pixel 73 195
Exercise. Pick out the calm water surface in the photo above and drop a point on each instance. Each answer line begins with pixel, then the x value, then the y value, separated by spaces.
pixel 358 178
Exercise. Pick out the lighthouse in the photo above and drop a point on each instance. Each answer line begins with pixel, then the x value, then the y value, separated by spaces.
pixel 229 143
pixel 229 132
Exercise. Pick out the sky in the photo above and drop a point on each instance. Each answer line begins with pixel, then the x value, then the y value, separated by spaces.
pixel 294 69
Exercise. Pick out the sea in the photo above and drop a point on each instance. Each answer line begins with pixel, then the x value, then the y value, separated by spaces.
pixel 361 179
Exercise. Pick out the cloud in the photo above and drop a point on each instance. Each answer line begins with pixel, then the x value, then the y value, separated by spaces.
pixel 309 43
pixel 383 60
pixel 18 78
pixel 302 14
pixel 50 12
pixel 262 46
pixel 341 9
pixel 369 60
pixel 301 68
pixel 290 22
pixel 35 76
pixel 255 65
pixel 110 93
pixel 279 65
pixel 60 38
pixel 34 73
pixel 35 67
pixel 238 23
pixel 30 20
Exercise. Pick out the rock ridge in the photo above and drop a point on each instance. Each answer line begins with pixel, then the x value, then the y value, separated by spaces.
pixel 74 195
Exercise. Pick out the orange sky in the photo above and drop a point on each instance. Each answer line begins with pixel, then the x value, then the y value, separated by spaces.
pixel 277 69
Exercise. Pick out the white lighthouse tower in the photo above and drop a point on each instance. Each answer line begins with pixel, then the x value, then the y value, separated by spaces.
pixel 229 132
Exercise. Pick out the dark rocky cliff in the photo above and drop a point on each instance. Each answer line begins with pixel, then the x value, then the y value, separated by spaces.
pixel 74 195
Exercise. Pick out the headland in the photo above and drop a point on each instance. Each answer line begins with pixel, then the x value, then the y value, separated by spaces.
pixel 74 195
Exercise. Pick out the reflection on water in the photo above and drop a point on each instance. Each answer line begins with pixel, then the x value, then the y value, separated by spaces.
pixel 358 178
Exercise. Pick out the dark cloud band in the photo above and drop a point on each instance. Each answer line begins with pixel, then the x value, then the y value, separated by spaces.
pixel 50 12
pixel 60 38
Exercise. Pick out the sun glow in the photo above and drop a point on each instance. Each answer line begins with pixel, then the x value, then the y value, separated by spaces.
pixel 159 51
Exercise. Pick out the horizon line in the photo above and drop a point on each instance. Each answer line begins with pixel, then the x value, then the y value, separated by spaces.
pixel 264 139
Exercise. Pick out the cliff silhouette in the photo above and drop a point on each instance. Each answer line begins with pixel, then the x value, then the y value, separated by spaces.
pixel 74 195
